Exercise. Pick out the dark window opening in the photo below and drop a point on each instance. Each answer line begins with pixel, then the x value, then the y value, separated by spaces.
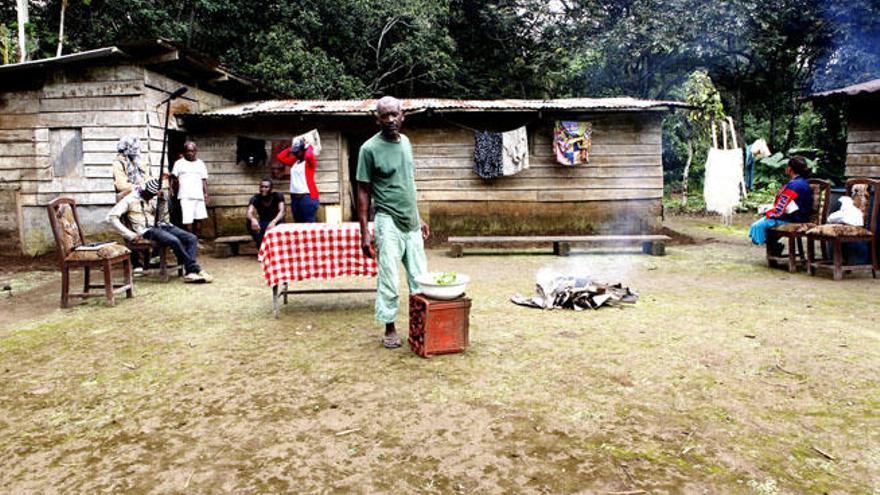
pixel 250 152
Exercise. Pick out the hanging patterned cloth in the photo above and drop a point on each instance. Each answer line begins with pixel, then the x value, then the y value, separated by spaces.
pixel 498 154
pixel 488 162
pixel 572 141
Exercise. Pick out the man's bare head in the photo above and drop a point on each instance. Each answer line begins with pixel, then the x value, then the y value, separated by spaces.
pixel 189 150
pixel 387 102
pixel 389 116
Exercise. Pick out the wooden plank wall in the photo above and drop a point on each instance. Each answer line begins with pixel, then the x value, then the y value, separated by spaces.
pixel 863 140
pixel 157 87
pixel 105 102
pixel 625 164
pixel 10 217
pixel 232 184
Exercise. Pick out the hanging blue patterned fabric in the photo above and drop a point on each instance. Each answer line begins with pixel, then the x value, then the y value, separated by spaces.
pixel 488 161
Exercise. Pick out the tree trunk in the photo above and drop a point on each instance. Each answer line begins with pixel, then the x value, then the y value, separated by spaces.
pixel 687 170
pixel 189 25
pixel 61 28
pixel 738 117
pixel 772 137
pixel 22 8
pixel 792 123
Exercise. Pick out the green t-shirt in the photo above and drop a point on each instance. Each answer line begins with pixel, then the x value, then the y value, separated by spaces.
pixel 388 167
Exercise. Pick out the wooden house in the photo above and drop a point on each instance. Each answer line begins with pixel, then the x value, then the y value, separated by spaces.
pixel 618 191
pixel 60 120
pixel 863 126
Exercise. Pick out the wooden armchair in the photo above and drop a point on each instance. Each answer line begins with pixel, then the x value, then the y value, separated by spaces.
pixel 794 233
pixel 68 233
pixel 145 248
pixel 866 197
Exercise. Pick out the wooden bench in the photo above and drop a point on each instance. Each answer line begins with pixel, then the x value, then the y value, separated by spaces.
pixel 225 247
pixel 651 244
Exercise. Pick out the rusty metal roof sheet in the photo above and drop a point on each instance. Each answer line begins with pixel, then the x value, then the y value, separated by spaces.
pixel 416 105
pixel 163 56
pixel 62 59
pixel 867 87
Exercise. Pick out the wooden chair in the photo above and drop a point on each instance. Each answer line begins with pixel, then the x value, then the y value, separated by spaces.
pixel 866 197
pixel 68 233
pixel 794 233
pixel 145 248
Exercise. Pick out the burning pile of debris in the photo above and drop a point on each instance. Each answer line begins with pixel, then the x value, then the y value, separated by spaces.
pixel 577 293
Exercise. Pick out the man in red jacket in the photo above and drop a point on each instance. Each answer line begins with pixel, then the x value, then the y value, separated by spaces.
pixel 300 157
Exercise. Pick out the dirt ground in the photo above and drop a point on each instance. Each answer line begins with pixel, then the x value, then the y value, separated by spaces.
pixel 726 377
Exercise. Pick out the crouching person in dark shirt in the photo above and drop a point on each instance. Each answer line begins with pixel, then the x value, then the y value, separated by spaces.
pixel 265 211
pixel 793 204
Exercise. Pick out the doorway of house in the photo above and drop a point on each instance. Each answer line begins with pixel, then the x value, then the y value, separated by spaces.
pixel 174 151
pixel 176 140
pixel 355 140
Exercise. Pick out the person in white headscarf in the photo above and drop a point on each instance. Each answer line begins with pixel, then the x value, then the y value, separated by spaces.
pixel 128 171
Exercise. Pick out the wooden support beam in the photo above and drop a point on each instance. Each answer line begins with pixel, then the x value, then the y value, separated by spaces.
pixel 171 56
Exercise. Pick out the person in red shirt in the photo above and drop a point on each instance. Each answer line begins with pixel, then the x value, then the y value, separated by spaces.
pixel 304 201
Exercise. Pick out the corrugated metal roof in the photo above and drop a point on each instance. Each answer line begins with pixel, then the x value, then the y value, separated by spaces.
pixel 70 57
pixel 163 56
pixel 867 87
pixel 415 105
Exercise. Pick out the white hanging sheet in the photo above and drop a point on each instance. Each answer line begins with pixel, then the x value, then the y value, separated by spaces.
pixel 724 174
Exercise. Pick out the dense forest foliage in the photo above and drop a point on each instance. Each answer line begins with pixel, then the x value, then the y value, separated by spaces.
pixel 759 56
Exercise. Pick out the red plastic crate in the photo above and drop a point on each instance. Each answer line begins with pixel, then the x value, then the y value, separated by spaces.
pixel 438 326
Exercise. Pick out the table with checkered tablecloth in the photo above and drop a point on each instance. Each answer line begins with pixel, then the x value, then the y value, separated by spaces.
pixel 293 252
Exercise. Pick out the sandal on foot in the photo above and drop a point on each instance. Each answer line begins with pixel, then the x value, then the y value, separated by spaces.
pixel 391 341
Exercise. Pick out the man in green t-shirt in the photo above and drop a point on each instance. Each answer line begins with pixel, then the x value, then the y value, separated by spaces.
pixel 385 174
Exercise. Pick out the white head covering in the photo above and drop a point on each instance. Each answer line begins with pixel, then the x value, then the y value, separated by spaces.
pixel 130 146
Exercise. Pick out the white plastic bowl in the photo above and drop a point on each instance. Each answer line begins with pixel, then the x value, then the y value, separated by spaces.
pixel 434 290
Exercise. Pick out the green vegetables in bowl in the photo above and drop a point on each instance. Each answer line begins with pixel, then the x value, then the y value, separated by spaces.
pixel 446 278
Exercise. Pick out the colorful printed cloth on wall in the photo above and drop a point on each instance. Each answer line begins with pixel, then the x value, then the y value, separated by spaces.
pixel 571 142
pixel 488 162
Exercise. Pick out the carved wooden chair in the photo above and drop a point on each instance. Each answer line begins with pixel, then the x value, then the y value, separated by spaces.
pixel 866 197
pixel 794 233
pixel 69 243
pixel 145 248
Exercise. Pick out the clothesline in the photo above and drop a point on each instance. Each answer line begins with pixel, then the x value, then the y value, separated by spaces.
pixel 468 128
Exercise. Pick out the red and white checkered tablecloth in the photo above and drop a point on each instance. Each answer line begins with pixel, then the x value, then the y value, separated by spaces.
pixel 300 251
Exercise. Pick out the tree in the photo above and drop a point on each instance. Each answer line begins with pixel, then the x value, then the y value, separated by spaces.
pixel 22 11
pixel 706 108
pixel 854 55
pixel 760 55
pixel 61 28
pixel 508 49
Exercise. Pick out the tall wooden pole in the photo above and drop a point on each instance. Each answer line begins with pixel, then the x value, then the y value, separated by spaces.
pixel 160 201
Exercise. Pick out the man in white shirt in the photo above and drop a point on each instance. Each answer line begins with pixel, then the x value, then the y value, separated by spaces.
pixel 192 188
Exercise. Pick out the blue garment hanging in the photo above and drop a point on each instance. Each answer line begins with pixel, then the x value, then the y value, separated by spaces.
pixel 750 168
